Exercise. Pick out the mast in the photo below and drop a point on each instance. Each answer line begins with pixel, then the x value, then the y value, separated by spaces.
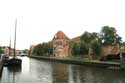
pixel 10 47
pixel 15 39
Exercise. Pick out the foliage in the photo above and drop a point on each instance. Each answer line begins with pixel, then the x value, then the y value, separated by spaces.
pixel 71 43
pixel 1 51
pixel 124 43
pixel 89 37
pixel 86 37
pixel 96 46
pixel 38 50
pixel 83 48
pixel 43 49
pixel 76 49
pixel 50 49
pixel 109 36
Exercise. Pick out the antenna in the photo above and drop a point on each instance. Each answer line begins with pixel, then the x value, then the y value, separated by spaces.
pixel 15 39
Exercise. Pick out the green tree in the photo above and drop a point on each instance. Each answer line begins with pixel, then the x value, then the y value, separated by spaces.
pixel 1 51
pixel 48 49
pixel 76 49
pixel 71 43
pixel 89 39
pixel 83 48
pixel 123 42
pixel 96 46
pixel 38 50
pixel 43 49
pixel 118 39
pixel 109 36
pixel 86 37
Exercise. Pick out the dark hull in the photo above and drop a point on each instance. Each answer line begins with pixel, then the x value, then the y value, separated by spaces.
pixel 5 61
pixel 14 62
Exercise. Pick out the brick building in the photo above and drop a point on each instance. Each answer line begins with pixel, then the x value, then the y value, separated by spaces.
pixel 61 45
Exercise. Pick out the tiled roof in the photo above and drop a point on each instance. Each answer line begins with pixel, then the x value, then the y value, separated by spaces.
pixel 76 39
pixel 60 35
pixel 32 46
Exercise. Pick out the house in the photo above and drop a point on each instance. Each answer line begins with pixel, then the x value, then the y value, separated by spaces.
pixel 61 45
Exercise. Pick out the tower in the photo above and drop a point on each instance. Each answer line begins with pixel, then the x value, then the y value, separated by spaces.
pixel 60 45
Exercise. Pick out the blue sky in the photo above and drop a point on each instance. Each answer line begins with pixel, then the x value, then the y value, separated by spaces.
pixel 39 20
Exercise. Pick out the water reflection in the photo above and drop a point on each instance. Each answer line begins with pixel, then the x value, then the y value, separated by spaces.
pixel 41 71
pixel 13 71
pixel 80 74
pixel 38 71
pixel 60 73
pixel 11 75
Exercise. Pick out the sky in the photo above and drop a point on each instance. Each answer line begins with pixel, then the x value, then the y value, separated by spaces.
pixel 39 20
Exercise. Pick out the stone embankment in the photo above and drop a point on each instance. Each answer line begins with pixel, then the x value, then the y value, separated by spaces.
pixel 104 64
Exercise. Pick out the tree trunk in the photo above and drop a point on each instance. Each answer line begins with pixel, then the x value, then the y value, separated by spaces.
pixel 90 54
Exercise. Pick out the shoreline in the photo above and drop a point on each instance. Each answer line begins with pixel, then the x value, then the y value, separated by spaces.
pixel 102 64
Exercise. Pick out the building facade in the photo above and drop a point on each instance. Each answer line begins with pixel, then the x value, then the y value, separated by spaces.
pixel 61 46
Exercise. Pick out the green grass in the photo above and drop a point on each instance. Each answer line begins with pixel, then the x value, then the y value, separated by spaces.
pixel 106 62
pixel 76 58
pixel 85 59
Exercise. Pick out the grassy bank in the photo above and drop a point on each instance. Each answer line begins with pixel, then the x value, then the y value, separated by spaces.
pixel 80 61
pixel 83 59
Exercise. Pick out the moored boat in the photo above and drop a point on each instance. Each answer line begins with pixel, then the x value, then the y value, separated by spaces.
pixel 15 61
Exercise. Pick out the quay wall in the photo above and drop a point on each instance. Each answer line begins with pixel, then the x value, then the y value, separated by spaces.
pixel 86 63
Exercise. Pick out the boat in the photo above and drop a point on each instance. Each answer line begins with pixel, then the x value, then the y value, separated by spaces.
pixel 14 61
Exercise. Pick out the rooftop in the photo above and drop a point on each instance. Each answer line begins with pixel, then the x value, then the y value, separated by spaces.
pixel 60 35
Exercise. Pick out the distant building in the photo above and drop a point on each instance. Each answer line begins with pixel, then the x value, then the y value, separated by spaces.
pixel 61 45
pixel 9 51
pixel 5 50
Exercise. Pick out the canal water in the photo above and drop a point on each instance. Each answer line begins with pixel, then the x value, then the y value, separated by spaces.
pixel 38 71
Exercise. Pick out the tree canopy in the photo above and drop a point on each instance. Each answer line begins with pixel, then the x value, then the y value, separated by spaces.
pixel 1 51
pixel 76 49
pixel 83 48
pixel 109 36
pixel 38 50
pixel 96 46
